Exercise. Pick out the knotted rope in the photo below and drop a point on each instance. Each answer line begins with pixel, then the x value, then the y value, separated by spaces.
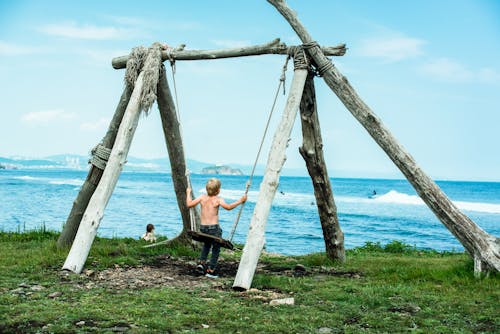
pixel 147 60
pixel 300 60
pixel 325 65
pixel 100 156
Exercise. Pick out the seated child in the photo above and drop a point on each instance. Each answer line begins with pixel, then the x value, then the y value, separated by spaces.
pixel 210 204
pixel 150 234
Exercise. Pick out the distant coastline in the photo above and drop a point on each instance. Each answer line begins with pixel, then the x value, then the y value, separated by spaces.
pixel 80 162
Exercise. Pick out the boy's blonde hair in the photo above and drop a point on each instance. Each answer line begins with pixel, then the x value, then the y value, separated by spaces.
pixel 213 186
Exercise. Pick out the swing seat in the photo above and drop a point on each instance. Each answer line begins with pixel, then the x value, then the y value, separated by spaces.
pixel 202 237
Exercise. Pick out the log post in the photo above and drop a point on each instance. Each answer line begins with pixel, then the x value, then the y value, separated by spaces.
pixel 255 238
pixel 94 176
pixel 173 140
pixel 93 215
pixel 483 247
pixel 312 152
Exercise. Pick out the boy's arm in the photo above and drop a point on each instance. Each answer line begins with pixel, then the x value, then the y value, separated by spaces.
pixel 189 200
pixel 231 206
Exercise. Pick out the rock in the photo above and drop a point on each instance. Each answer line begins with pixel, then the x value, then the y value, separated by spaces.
pixel 300 267
pixel 89 272
pixel 37 287
pixel 18 291
pixel 222 170
pixel 80 323
pixel 325 330
pixel 24 285
pixel 117 329
pixel 55 294
pixel 205 326
pixel 408 308
pixel 282 301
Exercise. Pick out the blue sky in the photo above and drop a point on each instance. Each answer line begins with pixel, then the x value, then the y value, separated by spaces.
pixel 429 69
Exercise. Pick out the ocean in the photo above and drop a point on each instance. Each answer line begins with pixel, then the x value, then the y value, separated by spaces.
pixel 33 198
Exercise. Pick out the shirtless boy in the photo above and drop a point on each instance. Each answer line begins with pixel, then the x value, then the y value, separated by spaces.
pixel 210 204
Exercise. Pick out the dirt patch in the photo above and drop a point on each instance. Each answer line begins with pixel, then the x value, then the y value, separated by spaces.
pixel 168 271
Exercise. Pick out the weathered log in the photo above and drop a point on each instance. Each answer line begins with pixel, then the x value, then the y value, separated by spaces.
pixel 273 47
pixel 93 177
pixel 483 247
pixel 312 152
pixel 277 156
pixel 93 215
pixel 173 140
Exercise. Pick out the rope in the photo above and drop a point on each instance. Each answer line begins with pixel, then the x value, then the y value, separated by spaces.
pixel 325 65
pixel 300 61
pixel 249 182
pixel 147 60
pixel 172 65
pixel 192 218
pixel 100 156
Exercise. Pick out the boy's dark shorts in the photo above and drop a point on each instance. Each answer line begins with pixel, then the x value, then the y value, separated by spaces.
pixel 214 230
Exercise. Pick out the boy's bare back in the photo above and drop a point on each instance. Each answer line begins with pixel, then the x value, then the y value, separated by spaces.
pixel 210 203
pixel 210 209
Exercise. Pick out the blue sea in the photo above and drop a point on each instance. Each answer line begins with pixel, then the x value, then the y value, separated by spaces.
pixel 34 198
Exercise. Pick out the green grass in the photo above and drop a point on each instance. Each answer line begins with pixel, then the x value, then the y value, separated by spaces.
pixel 390 289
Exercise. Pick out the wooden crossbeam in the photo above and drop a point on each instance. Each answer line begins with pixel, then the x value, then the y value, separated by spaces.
pixel 273 47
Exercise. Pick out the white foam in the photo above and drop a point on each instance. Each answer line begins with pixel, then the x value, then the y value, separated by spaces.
pixel 71 182
pixel 26 178
pixel 391 197
pixel 396 197
pixel 400 198
pixel 479 207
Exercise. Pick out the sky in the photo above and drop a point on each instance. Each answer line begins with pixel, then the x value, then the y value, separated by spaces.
pixel 429 69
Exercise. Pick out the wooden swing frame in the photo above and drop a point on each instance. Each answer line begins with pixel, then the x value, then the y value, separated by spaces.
pixel 483 247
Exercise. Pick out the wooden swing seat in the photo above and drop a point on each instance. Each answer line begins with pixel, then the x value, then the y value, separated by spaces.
pixel 202 237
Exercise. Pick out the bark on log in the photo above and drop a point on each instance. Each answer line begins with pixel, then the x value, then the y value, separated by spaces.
pixel 483 247
pixel 273 47
pixel 91 219
pixel 94 176
pixel 277 156
pixel 312 152
pixel 173 140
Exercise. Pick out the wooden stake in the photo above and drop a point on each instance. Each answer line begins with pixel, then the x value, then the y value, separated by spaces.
pixel 482 246
pixel 312 152
pixel 276 159
pixel 92 217
pixel 175 147
pixel 94 176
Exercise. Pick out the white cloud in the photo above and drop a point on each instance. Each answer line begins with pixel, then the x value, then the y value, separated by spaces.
pixel 228 43
pixel 73 30
pixel 393 48
pixel 488 75
pixel 43 117
pixel 100 124
pixel 446 69
pixel 126 20
pixel 9 49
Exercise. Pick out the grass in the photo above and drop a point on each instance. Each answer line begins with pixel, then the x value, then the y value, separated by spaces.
pixel 390 289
